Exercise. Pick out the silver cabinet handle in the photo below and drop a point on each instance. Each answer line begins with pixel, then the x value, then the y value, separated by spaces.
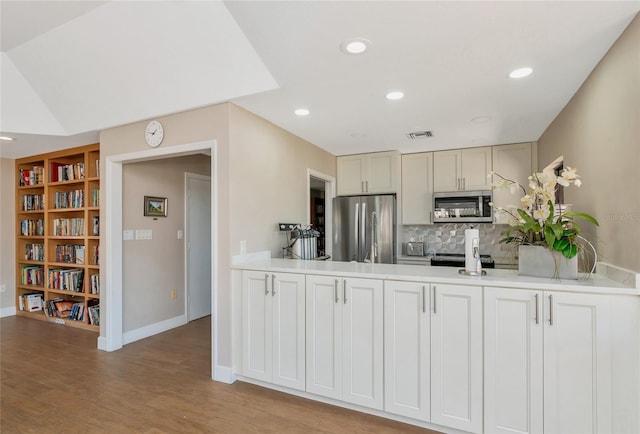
pixel 464 183
pixel 273 285
pixel 266 284
pixel 537 310
pixel 424 301
pixel 434 299
pixel 344 291
pixel 335 290
pixel 550 310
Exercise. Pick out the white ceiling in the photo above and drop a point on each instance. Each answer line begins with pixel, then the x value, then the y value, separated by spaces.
pixel 70 69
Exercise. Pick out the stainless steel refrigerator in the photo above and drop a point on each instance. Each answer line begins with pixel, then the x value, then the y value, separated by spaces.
pixel 364 228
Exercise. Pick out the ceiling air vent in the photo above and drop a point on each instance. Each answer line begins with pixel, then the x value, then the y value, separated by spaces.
pixel 419 135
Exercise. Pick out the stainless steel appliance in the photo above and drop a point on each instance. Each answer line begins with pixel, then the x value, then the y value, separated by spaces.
pixel 463 206
pixel 415 248
pixel 364 228
pixel 457 260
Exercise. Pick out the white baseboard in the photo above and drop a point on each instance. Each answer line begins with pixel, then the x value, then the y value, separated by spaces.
pixel 152 329
pixel 7 311
pixel 224 374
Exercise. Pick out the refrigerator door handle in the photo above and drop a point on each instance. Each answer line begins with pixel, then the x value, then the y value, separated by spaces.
pixel 363 233
pixel 356 231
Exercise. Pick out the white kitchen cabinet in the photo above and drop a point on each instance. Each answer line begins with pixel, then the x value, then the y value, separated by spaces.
pixel 456 357
pixel 373 173
pixel 513 357
pixel 462 169
pixel 407 345
pixel 516 162
pixel 577 363
pixel 547 362
pixel 273 328
pixel 417 188
pixel 345 339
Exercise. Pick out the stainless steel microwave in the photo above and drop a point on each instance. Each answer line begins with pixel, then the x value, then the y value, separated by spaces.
pixel 463 206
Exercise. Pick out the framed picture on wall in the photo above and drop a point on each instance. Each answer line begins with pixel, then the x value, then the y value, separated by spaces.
pixel 155 206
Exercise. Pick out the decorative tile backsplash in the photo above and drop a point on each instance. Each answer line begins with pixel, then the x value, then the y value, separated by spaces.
pixel 449 238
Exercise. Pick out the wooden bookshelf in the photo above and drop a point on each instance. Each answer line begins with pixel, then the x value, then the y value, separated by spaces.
pixel 58 235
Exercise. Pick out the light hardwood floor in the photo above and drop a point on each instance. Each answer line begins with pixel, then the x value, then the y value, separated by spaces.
pixel 54 380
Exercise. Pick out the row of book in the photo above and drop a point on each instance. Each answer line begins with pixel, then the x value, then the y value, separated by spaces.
pixel 94 313
pixel 32 227
pixel 68 227
pixel 66 279
pixel 94 284
pixel 96 225
pixel 95 197
pixel 32 176
pixel 32 202
pixel 32 275
pixel 68 199
pixel 34 252
pixel 66 172
pixel 70 253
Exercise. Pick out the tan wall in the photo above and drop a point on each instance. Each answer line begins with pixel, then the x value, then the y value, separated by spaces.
pixel 599 133
pixel 7 233
pixel 268 180
pixel 155 267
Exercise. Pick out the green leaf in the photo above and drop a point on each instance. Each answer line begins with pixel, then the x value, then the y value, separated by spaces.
pixel 549 236
pixel 570 251
pixel 560 245
pixel 583 216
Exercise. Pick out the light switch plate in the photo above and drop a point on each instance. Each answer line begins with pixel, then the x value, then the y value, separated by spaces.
pixel 180 234
pixel 127 234
pixel 144 234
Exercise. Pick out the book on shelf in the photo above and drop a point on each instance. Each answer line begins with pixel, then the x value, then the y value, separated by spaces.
pixel 96 225
pixel 31 302
pixel 32 227
pixel 94 284
pixel 93 309
pixel 80 254
pixel 98 169
pixel 68 199
pixel 96 255
pixel 66 279
pixel 32 202
pixel 34 252
pixel 63 308
pixel 32 176
pixel 95 197
pixel 32 275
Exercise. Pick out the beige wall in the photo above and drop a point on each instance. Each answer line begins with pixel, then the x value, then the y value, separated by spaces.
pixel 261 180
pixel 599 133
pixel 153 268
pixel 268 180
pixel 7 235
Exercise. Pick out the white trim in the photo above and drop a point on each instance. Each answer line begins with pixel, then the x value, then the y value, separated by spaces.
pixel 111 338
pixel 7 311
pixel 224 374
pixel 153 329
pixel 329 194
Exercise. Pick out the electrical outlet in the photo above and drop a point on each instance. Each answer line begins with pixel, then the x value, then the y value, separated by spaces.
pixel 243 247
pixel 174 294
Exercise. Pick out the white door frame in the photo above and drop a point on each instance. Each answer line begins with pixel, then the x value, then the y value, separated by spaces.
pixel 187 237
pixel 329 194
pixel 111 325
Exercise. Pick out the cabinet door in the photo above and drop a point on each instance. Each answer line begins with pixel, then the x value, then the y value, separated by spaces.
pixel 417 188
pixel 456 357
pixel 577 363
pixel 446 171
pixel 383 173
pixel 406 349
pixel 288 295
pixel 324 336
pixel 256 325
pixel 352 173
pixel 513 162
pixel 475 168
pixel 362 342
pixel 513 356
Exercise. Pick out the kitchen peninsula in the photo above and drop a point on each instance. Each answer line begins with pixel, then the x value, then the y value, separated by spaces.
pixel 427 346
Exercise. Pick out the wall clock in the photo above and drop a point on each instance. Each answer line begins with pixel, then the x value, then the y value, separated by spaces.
pixel 154 133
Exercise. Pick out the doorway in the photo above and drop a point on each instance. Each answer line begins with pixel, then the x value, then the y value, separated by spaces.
pixel 197 246
pixel 320 193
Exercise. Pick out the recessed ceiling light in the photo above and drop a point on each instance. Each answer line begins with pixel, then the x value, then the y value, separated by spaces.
pixel 395 95
pixel 520 72
pixel 354 46
pixel 6 138
pixel 301 112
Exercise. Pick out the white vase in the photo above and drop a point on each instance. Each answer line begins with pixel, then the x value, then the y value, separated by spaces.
pixel 539 261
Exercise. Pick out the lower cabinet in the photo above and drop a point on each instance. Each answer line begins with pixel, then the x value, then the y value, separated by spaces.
pixel 407 371
pixel 273 328
pixel 344 339
pixel 547 362
pixel 456 357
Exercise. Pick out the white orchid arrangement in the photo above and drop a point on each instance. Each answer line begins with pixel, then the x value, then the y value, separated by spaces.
pixel 535 221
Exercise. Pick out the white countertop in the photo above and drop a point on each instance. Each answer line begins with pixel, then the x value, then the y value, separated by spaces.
pixel 594 283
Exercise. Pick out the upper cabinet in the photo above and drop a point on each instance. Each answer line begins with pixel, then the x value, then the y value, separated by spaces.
pixel 515 162
pixel 417 188
pixel 462 169
pixel 369 173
